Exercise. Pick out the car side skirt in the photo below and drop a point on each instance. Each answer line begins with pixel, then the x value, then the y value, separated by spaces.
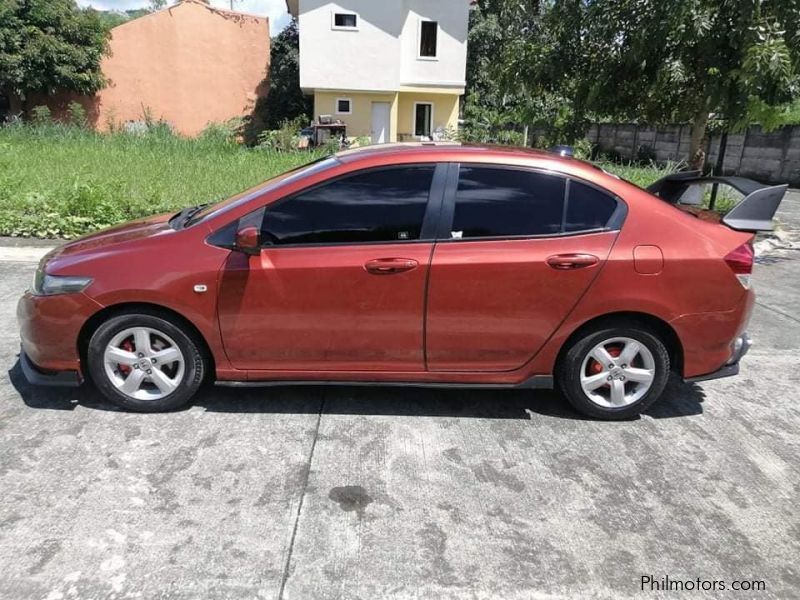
pixel 537 382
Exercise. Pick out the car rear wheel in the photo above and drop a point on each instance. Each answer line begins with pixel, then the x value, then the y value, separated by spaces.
pixel 144 362
pixel 614 372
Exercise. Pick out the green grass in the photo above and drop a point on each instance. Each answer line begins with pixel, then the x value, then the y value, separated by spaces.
pixel 641 175
pixel 61 182
pixel 58 181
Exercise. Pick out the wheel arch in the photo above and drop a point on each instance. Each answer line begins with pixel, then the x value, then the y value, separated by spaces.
pixel 98 318
pixel 665 332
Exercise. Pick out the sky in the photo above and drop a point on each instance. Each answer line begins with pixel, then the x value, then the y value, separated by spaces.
pixel 274 9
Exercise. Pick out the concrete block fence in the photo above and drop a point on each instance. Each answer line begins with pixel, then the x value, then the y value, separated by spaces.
pixel 772 157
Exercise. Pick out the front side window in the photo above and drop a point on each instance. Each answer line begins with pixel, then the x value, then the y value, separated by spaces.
pixel 428 34
pixel 382 205
pixel 345 20
pixel 423 116
pixel 492 202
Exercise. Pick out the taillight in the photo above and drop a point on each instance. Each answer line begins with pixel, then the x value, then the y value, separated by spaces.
pixel 741 263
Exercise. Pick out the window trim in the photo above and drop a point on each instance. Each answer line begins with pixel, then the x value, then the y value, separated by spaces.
pixel 349 104
pixel 414 118
pixel 430 217
pixel 615 221
pixel 420 56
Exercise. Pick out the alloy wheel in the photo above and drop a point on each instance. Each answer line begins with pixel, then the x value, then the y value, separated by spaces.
pixel 144 363
pixel 617 372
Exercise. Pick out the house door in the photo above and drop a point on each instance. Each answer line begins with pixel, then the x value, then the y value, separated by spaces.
pixel 381 125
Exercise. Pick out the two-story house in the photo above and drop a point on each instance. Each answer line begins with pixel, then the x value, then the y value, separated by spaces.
pixel 392 70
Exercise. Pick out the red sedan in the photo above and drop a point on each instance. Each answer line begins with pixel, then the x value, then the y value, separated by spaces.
pixel 435 265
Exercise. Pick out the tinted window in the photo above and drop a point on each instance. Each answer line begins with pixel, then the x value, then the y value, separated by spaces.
pixel 588 207
pixel 386 205
pixel 504 202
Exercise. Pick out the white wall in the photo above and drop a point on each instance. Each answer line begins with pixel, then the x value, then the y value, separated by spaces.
pixel 450 66
pixel 382 54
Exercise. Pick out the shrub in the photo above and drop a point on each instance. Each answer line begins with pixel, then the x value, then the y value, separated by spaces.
pixel 76 114
pixel 285 139
pixel 228 132
pixel 41 115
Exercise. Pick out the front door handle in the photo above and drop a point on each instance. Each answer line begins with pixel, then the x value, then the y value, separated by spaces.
pixel 567 262
pixel 390 266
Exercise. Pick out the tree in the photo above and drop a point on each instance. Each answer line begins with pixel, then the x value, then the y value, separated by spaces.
pixel 284 100
pixel 492 111
pixel 662 60
pixel 50 45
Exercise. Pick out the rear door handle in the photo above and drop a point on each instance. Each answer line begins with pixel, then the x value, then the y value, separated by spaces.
pixel 390 266
pixel 567 262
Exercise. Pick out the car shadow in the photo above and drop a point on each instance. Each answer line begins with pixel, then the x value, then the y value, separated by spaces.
pixel 680 400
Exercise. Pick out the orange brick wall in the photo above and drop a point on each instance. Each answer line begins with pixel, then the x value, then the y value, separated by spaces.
pixel 189 65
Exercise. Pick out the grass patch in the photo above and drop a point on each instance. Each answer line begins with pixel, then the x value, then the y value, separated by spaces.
pixel 641 175
pixel 59 181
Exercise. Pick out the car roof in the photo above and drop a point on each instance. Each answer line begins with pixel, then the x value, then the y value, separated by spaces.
pixel 437 149
pixel 406 152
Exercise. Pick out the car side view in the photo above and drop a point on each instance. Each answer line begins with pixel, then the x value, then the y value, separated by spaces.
pixel 426 264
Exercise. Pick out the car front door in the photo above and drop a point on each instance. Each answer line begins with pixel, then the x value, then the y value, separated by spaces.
pixel 517 249
pixel 339 284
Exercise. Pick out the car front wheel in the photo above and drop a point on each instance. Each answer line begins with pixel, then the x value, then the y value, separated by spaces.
pixel 144 362
pixel 614 372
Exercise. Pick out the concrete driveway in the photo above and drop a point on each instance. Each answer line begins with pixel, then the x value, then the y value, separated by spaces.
pixel 364 493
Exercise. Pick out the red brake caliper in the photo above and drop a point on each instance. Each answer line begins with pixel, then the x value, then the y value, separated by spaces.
pixel 126 345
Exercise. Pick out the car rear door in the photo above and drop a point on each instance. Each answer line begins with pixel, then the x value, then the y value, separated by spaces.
pixel 517 249
pixel 339 284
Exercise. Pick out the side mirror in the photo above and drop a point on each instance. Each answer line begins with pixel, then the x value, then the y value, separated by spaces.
pixel 248 240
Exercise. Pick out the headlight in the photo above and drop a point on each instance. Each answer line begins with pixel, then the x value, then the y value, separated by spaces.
pixel 50 285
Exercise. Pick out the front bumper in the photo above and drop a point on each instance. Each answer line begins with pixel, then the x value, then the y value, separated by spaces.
pixel 36 376
pixel 49 327
pixel 740 347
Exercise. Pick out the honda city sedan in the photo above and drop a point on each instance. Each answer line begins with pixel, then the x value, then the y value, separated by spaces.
pixel 420 265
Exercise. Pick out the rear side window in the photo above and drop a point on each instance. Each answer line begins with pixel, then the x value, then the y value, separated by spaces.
pixel 588 207
pixel 507 202
pixel 382 205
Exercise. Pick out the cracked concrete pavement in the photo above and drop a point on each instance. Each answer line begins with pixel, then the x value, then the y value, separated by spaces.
pixel 362 493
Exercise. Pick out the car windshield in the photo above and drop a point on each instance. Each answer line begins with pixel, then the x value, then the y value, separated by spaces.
pixel 286 178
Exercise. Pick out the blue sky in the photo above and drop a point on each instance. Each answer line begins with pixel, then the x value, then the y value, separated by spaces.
pixel 274 9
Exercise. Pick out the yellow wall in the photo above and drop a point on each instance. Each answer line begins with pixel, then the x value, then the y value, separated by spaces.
pixel 445 112
pixel 360 122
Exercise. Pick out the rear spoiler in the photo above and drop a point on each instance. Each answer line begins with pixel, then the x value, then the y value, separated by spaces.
pixel 755 211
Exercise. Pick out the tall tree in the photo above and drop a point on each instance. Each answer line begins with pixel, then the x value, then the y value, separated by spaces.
pixel 49 45
pixel 490 108
pixel 285 100
pixel 662 60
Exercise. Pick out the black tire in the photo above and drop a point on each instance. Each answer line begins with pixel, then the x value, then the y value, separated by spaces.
pixel 568 370
pixel 195 363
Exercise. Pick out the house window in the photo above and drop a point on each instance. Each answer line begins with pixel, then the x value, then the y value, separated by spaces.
pixel 423 119
pixel 345 20
pixel 428 33
pixel 344 106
